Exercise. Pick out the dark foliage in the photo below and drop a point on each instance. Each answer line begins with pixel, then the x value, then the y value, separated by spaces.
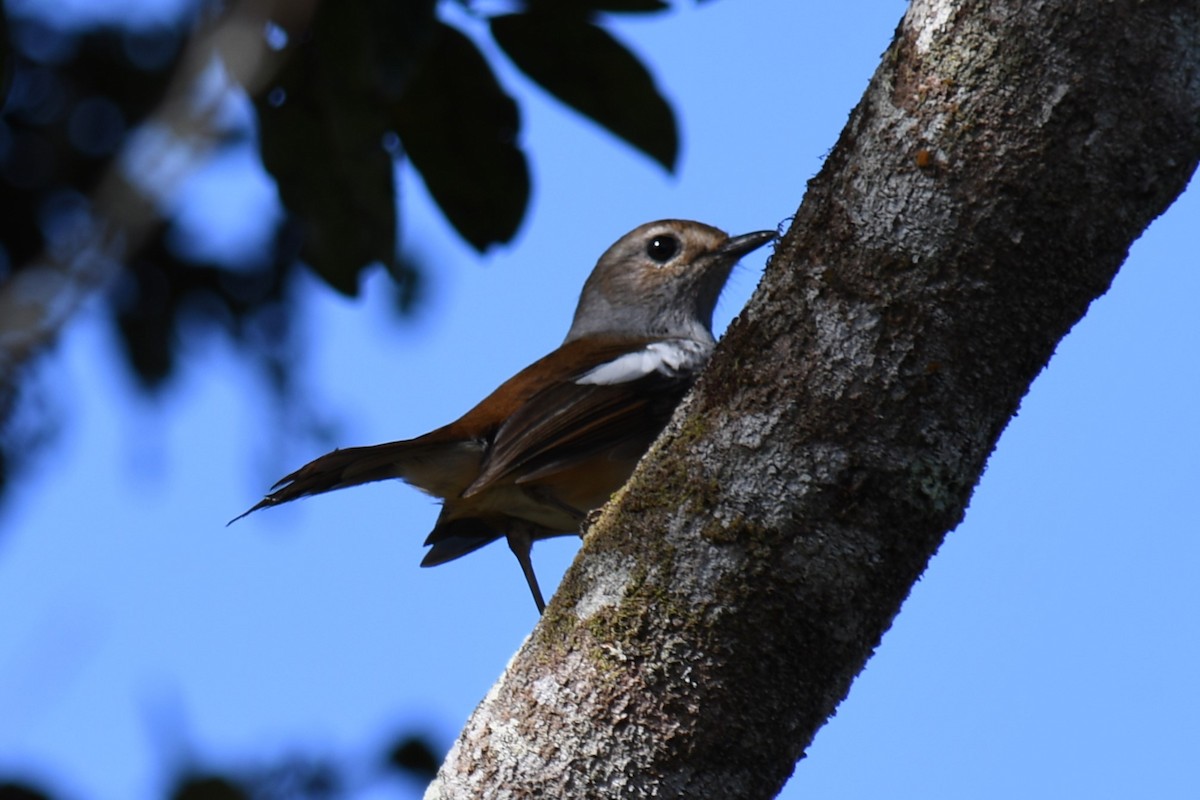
pixel 356 92
pixel 14 790
pixel 292 777
pixel 414 756
pixel 585 67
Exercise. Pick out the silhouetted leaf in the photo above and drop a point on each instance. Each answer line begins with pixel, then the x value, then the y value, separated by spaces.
pixel 5 56
pixel 415 756
pixel 333 179
pixel 459 129
pixel 323 126
pixel 164 297
pixel 612 6
pixel 11 790
pixel 146 300
pixel 208 787
pixel 585 67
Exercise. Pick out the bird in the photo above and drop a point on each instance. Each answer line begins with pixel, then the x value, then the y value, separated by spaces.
pixel 554 442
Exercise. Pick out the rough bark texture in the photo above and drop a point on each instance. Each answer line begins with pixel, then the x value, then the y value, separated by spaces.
pixel 984 192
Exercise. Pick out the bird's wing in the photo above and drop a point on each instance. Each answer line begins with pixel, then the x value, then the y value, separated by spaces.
pixel 620 399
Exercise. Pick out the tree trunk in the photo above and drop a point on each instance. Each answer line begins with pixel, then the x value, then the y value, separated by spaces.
pixel 983 193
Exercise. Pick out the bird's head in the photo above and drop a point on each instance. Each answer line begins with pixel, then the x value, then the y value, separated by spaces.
pixel 661 280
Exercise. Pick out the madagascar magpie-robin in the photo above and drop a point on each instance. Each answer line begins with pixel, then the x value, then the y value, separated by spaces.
pixel 559 437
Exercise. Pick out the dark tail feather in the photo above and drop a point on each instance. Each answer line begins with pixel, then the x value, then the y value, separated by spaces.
pixel 336 470
pixel 456 538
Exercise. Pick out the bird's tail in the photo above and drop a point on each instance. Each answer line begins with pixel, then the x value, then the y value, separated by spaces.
pixel 425 465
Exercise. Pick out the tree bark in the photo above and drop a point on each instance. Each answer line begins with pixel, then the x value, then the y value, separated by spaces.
pixel 984 192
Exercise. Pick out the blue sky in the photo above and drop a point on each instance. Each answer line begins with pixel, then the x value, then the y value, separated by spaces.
pixel 1051 648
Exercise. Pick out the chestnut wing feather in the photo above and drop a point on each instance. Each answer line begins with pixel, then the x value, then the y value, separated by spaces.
pixel 567 422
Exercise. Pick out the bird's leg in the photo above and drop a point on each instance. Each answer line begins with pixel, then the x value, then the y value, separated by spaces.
pixel 520 541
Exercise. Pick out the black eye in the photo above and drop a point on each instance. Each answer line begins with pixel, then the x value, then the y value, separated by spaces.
pixel 661 248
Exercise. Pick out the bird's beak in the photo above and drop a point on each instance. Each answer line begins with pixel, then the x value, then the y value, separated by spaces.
pixel 737 246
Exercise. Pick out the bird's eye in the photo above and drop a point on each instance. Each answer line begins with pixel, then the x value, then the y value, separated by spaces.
pixel 662 248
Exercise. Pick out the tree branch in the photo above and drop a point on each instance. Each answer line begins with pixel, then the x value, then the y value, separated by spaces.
pixel 984 192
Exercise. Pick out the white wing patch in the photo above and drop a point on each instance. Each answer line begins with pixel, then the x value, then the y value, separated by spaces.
pixel 669 357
